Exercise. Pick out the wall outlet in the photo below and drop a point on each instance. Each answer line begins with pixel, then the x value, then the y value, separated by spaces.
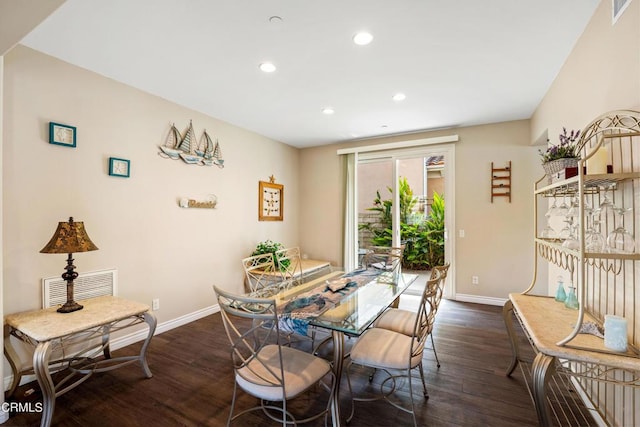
pixel 461 233
pixel 155 304
pixel 475 280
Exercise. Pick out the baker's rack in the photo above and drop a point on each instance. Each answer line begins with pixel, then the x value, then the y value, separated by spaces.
pixel 606 283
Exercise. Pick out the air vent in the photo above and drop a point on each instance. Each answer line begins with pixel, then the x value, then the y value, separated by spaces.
pixel 617 8
pixel 87 285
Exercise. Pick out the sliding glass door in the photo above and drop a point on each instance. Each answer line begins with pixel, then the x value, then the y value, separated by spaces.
pixel 401 198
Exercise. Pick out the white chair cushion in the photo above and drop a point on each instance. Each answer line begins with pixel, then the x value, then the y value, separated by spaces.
pixel 381 348
pixel 397 320
pixel 301 370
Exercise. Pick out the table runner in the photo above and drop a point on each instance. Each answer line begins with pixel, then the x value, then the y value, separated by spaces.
pixel 294 316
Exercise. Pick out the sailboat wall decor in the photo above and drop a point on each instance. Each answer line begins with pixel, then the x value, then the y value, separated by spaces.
pixel 187 148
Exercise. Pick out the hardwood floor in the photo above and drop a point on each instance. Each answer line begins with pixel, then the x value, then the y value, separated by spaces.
pixel 192 382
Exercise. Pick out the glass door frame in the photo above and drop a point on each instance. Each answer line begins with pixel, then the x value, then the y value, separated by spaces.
pixel 396 155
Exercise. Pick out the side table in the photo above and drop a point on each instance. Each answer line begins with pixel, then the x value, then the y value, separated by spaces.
pixel 70 341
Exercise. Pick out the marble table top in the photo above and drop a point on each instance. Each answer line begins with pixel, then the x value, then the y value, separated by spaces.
pixel 548 322
pixel 48 324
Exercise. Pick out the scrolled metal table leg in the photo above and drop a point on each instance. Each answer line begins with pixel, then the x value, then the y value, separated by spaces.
pixel 150 319
pixel 13 359
pixel 41 369
pixel 106 350
pixel 542 369
pixel 507 315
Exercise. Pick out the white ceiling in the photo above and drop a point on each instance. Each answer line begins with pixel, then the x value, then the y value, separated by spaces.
pixel 459 62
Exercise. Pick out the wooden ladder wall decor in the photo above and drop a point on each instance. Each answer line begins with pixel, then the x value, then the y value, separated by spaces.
pixel 501 182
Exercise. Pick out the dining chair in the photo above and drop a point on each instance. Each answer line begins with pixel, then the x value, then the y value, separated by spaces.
pixel 401 320
pixel 395 353
pixel 261 273
pixel 262 366
pixel 289 264
pixel 388 258
pixel 265 280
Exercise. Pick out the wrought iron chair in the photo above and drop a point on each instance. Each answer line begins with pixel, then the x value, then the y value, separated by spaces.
pixel 290 265
pixel 386 258
pixel 400 320
pixel 261 273
pixel 395 353
pixel 263 367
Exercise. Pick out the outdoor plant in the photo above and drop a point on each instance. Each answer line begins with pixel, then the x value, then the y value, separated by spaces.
pixel 269 246
pixel 423 237
pixel 565 150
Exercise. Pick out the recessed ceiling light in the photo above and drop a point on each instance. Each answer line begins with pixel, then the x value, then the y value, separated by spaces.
pixel 275 19
pixel 267 67
pixel 362 38
pixel 384 126
pixel 399 97
pixel 328 110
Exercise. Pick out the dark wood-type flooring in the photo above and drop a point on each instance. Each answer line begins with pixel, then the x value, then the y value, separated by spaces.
pixel 192 382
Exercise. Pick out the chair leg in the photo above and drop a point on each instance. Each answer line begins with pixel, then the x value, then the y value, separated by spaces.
pixel 413 408
pixel 433 346
pixel 233 403
pixel 424 385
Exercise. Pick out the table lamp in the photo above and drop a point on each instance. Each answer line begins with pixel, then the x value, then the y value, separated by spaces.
pixel 69 237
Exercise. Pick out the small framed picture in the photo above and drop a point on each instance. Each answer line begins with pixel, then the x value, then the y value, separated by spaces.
pixel 270 201
pixel 62 134
pixel 119 167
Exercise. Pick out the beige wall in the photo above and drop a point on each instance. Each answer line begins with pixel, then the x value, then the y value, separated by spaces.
pixel 160 250
pixel 497 245
pixel 601 74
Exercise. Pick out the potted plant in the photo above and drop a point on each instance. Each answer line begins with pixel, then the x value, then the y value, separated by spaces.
pixel 557 158
pixel 269 246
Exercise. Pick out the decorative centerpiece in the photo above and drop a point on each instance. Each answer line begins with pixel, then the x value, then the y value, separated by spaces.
pixel 557 158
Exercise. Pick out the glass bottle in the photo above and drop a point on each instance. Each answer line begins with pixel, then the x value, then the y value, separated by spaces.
pixel 561 295
pixel 572 299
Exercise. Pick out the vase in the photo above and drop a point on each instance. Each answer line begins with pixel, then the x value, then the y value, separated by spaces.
pixel 572 299
pixel 561 295
pixel 554 166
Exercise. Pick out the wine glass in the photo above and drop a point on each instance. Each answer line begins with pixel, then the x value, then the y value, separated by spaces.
pixel 563 208
pixel 574 208
pixel 607 206
pixel 553 208
pixel 620 240
pixel 594 241
pixel 571 242
pixel 547 232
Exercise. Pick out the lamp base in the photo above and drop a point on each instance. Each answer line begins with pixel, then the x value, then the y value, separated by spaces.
pixel 69 307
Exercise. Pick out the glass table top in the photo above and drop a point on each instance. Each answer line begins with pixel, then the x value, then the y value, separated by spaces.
pixel 356 300
pixel 356 311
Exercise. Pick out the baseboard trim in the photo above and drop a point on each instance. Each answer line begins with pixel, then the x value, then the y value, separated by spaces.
pixel 134 337
pixel 480 299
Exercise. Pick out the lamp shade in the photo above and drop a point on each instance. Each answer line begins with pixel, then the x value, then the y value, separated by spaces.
pixel 69 237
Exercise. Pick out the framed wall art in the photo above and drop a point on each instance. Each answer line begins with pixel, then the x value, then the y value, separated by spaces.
pixel 270 200
pixel 119 167
pixel 60 134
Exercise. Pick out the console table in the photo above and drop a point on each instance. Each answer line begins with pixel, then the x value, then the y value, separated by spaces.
pixel 73 341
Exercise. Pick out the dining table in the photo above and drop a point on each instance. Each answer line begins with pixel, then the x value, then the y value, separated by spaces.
pixel 342 303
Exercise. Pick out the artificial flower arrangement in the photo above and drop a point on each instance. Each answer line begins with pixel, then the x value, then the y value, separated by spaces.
pixel 565 150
